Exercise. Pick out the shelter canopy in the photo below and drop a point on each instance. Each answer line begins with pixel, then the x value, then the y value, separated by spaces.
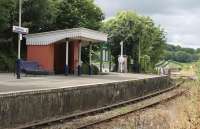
pixel 51 37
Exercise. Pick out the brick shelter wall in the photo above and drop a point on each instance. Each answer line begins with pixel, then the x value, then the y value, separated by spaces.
pixel 53 57
pixel 44 55
pixel 74 55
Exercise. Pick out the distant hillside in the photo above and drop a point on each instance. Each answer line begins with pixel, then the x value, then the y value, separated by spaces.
pixel 179 54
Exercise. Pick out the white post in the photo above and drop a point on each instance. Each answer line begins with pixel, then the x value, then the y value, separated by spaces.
pixel 20 35
pixel 90 55
pixel 67 52
pixel 80 54
pixel 90 59
pixel 67 56
pixel 122 48
pixel 121 65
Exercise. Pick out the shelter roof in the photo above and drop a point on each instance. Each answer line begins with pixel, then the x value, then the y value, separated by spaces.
pixel 51 37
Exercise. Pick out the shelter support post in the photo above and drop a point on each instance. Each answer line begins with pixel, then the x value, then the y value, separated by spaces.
pixel 90 59
pixel 79 62
pixel 67 58
pixel 109 56
pixel 101 58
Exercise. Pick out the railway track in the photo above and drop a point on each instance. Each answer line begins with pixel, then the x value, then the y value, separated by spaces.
pixel 132 110
pixel 156 97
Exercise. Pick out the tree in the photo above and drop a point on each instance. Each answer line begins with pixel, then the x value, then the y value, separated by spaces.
pixel 188 50
pixel 79 13
pixel 39 15
pixel 6 13
pixel 7 46
pixel 198 50
pixel 182 56
pixel 140 35
pixel 168 55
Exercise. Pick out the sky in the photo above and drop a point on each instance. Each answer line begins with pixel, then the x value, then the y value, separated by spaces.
pixel 179 18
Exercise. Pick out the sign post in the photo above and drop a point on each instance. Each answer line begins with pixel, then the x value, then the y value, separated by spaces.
pixel 20 30
pixel 18 69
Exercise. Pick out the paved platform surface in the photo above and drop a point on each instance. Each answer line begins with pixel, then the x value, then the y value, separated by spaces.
pixel 9 83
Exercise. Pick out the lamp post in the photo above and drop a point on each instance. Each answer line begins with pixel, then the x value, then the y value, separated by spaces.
pixel 18 69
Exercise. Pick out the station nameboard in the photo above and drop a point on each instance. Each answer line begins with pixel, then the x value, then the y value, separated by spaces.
pixel 20 30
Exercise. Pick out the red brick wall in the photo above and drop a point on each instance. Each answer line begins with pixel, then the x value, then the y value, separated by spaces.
pixel 73 55
pixel 52 57
pixel 44 55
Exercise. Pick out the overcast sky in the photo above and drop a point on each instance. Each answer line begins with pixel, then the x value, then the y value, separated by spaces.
pixel 180 18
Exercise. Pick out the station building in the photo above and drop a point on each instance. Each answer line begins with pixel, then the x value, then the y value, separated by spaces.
pixel 60 51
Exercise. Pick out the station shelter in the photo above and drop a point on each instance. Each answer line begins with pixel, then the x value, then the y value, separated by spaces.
pixel 60 51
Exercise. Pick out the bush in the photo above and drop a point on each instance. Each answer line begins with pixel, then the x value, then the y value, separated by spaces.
pixel 85 69
pixel 95 70
pixel 198 70
pixel 7 64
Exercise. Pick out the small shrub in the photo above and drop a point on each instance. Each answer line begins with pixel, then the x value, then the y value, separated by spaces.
pixel 95 70
pixel 7 64
pixel 198 70
pixel 85 69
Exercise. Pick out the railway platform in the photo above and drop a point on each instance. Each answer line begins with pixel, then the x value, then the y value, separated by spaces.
pixel 40 99
pixel 9 83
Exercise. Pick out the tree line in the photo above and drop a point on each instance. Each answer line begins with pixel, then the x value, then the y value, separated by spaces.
pixel 180 54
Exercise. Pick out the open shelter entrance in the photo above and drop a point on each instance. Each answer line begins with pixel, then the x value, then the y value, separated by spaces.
pixel 60 56
pixel 60 51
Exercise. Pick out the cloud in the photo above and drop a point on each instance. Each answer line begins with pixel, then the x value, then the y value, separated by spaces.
pixel 180 18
